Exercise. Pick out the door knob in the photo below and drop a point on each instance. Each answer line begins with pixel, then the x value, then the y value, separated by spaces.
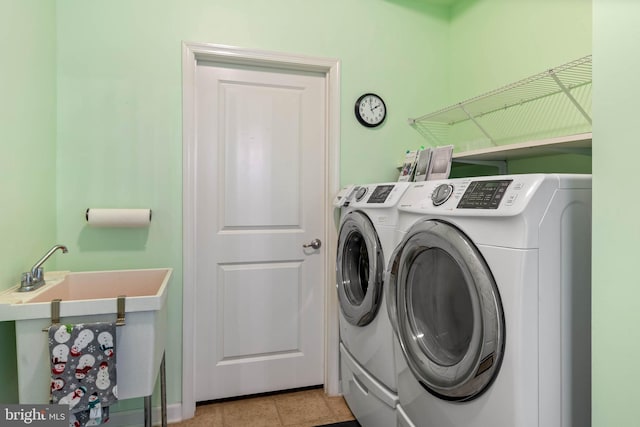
pixel 315 244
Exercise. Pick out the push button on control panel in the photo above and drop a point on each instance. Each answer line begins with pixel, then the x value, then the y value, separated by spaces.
pixel 509 200
pixel 441 194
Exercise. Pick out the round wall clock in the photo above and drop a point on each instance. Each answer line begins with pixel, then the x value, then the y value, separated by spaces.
pixel 370 110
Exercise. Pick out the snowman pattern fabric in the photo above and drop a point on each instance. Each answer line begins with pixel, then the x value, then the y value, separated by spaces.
pixel 83 370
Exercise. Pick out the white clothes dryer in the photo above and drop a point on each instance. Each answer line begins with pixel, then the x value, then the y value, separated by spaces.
pixel 489 296
pixel 367 237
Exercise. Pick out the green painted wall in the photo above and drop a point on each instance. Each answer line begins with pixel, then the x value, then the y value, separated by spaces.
pixel 111 71
pixel 616 232
pixel 27 152
pixel 120 116
pixel 498 42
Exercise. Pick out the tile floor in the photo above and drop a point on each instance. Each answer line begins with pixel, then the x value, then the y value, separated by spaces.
pixel 303 408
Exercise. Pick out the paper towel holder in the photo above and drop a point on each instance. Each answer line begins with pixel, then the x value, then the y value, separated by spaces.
pixel 86 214
pixel 118 217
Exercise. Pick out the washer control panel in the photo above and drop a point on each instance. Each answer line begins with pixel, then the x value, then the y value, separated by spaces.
pixel 484 194
pixel 506 194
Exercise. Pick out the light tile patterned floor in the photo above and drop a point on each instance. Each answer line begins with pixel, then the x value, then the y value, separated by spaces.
pixel 305 408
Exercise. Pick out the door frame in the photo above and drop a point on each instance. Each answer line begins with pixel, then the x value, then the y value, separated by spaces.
pixel 191 54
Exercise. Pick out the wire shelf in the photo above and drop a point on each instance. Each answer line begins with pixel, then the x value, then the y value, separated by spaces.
pixel 549 104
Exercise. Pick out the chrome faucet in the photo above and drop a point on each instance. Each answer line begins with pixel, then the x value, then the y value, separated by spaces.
pixel 33 279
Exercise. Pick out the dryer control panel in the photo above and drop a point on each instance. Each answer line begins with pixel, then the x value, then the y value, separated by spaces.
pixel 376 195
pixel 381 193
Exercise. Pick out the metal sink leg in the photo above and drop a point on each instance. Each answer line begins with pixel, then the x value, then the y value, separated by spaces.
pixel 163 398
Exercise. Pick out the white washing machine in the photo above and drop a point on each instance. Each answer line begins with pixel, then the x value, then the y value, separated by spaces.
pixel 489 294
pixel 367 237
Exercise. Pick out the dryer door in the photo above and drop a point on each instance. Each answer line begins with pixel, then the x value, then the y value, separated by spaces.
pixel 446 311
pixel 359 269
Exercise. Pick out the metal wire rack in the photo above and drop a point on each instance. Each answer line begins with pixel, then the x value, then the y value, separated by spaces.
pixel 552 103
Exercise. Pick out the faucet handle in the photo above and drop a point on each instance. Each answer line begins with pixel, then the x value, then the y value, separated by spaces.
pixel 27 279
pixel 37 275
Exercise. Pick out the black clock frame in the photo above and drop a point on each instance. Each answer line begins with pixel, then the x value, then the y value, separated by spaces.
pixel 359 117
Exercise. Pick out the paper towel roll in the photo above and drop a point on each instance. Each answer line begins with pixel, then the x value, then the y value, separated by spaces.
pixel 118 217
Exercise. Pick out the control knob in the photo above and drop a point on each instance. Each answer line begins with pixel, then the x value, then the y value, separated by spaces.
pixel 360 193
pixel 441 194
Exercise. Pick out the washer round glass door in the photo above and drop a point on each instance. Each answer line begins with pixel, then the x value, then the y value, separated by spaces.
pixel 359 269
pixel 446 311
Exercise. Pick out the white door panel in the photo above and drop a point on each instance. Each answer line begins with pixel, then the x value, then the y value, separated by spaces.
pixel 263 291
pixel 259 198
pixel 262 154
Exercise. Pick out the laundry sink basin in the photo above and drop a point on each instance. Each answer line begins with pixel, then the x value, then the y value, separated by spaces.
pixel 91 292
pixel 105 284
pixel 88 297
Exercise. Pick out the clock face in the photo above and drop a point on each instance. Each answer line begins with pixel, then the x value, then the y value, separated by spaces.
pixel 370 110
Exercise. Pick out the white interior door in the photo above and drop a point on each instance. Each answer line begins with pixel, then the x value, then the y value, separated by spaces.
pixel 260 160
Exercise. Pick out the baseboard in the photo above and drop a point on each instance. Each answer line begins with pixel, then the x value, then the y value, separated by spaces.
pixel 135 418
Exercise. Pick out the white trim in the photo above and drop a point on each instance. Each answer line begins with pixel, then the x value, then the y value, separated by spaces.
pixel 191 54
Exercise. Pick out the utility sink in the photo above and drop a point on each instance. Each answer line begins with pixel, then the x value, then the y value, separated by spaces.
pixel 90 292
pixel 92 297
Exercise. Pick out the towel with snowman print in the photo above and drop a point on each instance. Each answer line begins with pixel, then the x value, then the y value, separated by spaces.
pixel 83 370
